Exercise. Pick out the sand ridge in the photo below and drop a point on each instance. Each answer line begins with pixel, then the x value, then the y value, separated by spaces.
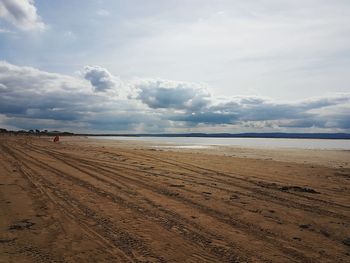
pixel 83 201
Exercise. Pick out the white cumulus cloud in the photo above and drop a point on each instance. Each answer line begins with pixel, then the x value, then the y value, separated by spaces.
pixel 172 94
pixel 100 78
pixel 22 14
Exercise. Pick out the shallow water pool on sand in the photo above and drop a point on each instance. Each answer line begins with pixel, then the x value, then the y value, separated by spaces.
pixel 271 143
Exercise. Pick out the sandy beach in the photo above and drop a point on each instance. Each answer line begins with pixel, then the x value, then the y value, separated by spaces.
pixel 86 200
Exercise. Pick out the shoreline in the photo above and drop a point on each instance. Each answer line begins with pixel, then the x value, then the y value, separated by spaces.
pixel 328 158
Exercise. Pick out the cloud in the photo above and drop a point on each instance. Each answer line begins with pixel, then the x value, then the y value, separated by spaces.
pixel 100 78
pixel 172 94
pixel 31 98
pixel 22 14
pixel 5 31
pixel 30 92
pixel 103 12
pixel 332 112
pixel 207 117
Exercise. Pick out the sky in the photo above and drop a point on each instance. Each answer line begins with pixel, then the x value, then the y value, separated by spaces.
pixel 160 66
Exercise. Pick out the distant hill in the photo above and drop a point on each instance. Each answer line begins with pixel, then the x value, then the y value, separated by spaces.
pixel 240 135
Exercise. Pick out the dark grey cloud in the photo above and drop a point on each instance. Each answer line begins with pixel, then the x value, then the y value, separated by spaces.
pixel 100 78
pixel 304 114
pixel 28 91
pixel 30 98
pixel 137 121
pixel 35 97
pixel 338 119
pixel 305 123
pixel 21 13
pixel 158 94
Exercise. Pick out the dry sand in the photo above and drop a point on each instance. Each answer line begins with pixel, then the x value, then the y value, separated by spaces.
pixel 85 200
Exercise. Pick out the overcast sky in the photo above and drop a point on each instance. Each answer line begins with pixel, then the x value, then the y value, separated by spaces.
pixel 175 65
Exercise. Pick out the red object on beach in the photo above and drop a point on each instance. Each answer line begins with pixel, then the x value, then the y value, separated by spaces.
pixel 56 139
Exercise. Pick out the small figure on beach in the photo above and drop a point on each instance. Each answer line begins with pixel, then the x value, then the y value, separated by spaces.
pixel 56 139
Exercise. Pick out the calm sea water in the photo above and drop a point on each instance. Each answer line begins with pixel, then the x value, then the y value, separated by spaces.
pixel 197 142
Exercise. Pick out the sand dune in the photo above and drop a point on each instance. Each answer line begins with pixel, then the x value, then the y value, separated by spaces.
pixel 86 201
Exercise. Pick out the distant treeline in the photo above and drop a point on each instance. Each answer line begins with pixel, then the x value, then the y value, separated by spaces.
pixel 205 135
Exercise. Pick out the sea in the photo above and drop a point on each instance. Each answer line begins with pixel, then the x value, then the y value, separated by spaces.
pixel 269 143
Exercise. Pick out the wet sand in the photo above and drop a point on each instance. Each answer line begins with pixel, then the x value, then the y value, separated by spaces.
pixel 84 200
